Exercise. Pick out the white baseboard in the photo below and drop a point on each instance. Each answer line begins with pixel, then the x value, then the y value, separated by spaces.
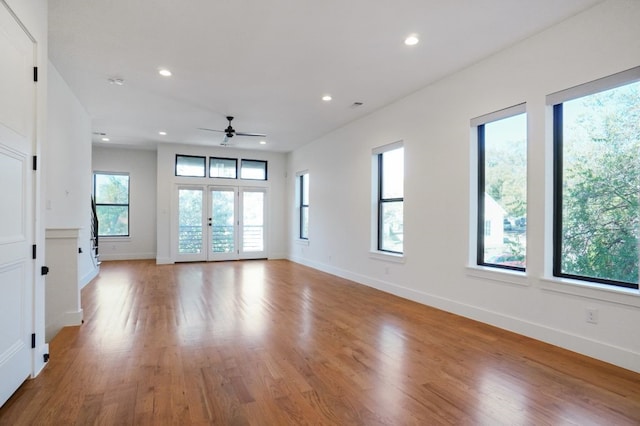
pixel 127 256
pixel 600 350
pixel 90 276
pixel 164 261
pixel 65 320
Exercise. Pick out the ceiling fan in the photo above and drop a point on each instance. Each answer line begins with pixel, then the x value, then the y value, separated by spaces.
pixel 230 132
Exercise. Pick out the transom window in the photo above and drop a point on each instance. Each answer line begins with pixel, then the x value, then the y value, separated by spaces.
pixel 190 166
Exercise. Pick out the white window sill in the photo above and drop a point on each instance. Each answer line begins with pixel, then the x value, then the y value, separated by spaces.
pixel 115 239
pixel 387 257
pixel 502 276
pixel 302 242
pixel 610 293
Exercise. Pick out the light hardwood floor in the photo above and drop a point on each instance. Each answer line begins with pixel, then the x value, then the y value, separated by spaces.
pixel 276 343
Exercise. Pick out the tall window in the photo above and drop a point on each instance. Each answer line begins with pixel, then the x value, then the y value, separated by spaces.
pixel 111 192
pixel 389 172
pixel 303 195
pixel 597 180
pixel 502 188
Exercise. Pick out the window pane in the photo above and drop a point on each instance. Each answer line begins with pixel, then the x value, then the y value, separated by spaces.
pixel 393 174
pixel 223 167
pixel 222 221
pixel 601 185
pixel 505 192
pixel 111 189
pixel 391 232
pixel 190 221
pixel 305 188
pixel 253 169
pixel 187 165
pixel 304 222
pixel 113 221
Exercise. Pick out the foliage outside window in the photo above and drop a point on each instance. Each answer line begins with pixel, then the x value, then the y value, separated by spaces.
pixel 223 168
pixel 190 166
pixel 253 169
pixel 597 181
pixel 390 195
pixel 190 208
pixel 111 193
pixel 303 186
pixel 502 189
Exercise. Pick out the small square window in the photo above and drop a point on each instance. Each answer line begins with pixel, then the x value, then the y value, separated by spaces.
pixel 223 168
pixel 253 169
pixel 190 166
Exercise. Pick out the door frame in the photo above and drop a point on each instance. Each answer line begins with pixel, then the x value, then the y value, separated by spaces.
pixel 206 254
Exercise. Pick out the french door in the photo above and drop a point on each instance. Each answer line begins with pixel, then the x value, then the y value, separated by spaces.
pixel 221 223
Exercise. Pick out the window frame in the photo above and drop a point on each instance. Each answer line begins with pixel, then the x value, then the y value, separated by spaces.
pixel 555 102
pixel 265 162
pixel 235 160
pixel 128 204
pixel 478 124
pixel 204 170
pixel 301 205
pixel 379 200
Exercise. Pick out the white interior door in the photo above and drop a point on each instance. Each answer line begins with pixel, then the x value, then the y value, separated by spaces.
pixel 17 118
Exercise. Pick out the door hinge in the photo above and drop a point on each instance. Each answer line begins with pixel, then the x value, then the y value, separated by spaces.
pixel 35 74
pixel 33 252
pixel 35 162
pixel 33 341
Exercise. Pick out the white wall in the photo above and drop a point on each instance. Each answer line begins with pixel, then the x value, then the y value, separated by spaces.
pixel 33 14
pixel 167 181
pixel 68 170
pixel 141 166
pixel 434 124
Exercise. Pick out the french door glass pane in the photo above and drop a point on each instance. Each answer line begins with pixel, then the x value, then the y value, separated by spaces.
pixel 222 221
pixel 253 221
pixel 189 221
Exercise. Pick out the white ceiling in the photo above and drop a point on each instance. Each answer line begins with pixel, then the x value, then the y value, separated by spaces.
pixel 268 62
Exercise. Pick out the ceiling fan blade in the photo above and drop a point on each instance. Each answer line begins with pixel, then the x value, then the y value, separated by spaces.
pixel 250 134
pixel 210 130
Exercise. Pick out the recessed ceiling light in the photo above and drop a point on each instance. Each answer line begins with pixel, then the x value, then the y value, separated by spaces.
pixel 116 81
pixel 412 40
pixel 327 98
pixel 164 72
pixel 105 139
pixel 263 142
pixel 162 133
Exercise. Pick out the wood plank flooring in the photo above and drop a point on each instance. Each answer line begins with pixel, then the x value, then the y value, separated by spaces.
pixel 276 343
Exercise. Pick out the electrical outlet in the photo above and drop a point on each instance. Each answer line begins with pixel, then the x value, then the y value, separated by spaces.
pixel 592 316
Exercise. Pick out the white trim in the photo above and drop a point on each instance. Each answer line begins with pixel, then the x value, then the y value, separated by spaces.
pixel 503 276
pixel 615 80
pixel 387 256
pixel 388 147
pixel 602 292
pixel 499 115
